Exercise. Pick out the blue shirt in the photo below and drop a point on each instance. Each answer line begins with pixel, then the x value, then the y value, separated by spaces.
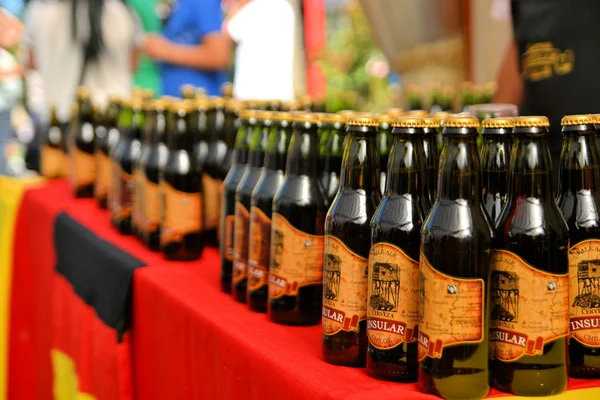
pixel 15 7
pixel 190 22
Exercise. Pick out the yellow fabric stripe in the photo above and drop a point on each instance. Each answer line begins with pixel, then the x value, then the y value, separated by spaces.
pixel 11 193
pixel 66 383
pixel 580 394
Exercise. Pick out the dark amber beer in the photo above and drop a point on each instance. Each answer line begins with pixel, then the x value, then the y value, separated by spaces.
pixel 530 281
pixel 432 157
pixel 296 267
pixel 495 163
pixel 137 173
pixel 579 202
pixel 82 140
pixel 107 136
pixel 261 209
pixel 243 194
pixel 454 262
pixel 384 144
pixel 393 296
pixel 126 155
pixel 331 151
pixel 181 190
pixel 347 245
pixel 238 168
pixel 52 155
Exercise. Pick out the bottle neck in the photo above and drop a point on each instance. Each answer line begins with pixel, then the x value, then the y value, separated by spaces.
pixel 86 110
pixel 579 164
pixel 216 123
pixel 405 166
pixel 230 127
pixel 181 136
pixel 138 122
pixel 303 156
pixel 360 163
pixel 277 148
pixel 258 145
pixel 459 175
pixel 240 150
pixel 531 168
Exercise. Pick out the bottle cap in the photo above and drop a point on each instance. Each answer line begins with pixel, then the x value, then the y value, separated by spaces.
pixel 218 102
pixel 331 119
pixel 182 105
pixel 531 122
pixel 83 92
pixel 282 116
pixel 440 116
pixel 264 115
pixel 394 112
pixel 498 123
pixel 461 121
pixel 363 120
pixel 385 119
pixel 235 105
pixel 432 123
pixel 418 113
pixel 147 94
pixel 303 117
pixel 227 89
pixel 568 120
pixel 253 104
pixel 160 104
pixel 248 113
pixel 113 98
pixel 291 106
pixel 274 104
pixel 408 122
pixel 202 103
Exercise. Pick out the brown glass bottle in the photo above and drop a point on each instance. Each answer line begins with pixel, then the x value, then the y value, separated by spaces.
pixel 495 163
pixel 237 170
pixel 152 163
pixel 579 202
pixel 81 146
pixel 52 155
pixel 212 178
pixel 432 157
pixel 137 172
pixel 330 153
pixel 181 190
pixel 454 269
pixel 107 136
pixel 261 208
pixel 529 274
pixel 243 195
pixel 347 245
pixel 124 159
pixel 393 296
pixel 296 267
pixel 384 144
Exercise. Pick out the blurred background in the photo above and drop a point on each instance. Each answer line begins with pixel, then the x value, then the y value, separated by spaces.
pixel 368 55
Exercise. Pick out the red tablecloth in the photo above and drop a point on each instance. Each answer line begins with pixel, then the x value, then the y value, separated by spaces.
pixel 188 340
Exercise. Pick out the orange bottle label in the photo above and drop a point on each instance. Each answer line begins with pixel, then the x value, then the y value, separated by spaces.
pixel 213 196
pixel 229 236
pixel 296 259
pixel 151 210
pixel 393 309
pixel 259 249
pixel 182 214
pixel 102 175
pixel 530 308
pixel 138 197
pixel 451 311
pixel 344 288
pixel 83 168
pixel 240 242
pixel 584 292
pixel 123 204
pixel 52 162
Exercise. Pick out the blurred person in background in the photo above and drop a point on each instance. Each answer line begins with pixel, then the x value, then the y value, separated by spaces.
pixel 147 74
pixel 192 49
pixel 266 33
pixel 81 42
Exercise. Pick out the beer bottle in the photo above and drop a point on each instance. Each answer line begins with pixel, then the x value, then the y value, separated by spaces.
pixel 52 155
pixel 125 157
pixel 330 153
pixel 137 172
pixel 530 282
pixel 152 163
pixel 82 142
pixel 579 202
pixel 347 245
pixel 107 135
pixel 296 266
pixel 384 143
pixel 181 190
pixel 212 178
pixel 596 118
pixel 261 208
pixel 440 116
pixel 432 157
pixel 243 194
pixel 393 295
pixel 274 105
pixel 454 269
pixel 238 168
pixel 188 92
pixel 495 160
pixel 417 113
pixel 227 90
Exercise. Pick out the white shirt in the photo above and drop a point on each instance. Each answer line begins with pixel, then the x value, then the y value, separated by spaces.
pixel 265 33
pixel 59 58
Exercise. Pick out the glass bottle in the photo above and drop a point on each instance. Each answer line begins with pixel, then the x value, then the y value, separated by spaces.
pixel 347 245
pixel 456 242
pixel 384 144
pixel 137 172
pixel 393 296
pixel 432 157
pixel 579 202
pixel 52 156
pixel 82 140
pixel 261 209
pixel 107 136
pixel 530 294
pixel 296 267
pixel 330 153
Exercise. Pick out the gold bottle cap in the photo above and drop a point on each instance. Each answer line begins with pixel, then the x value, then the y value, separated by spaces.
pixel 83 92
pixel 363 120
pixel 188 89
pixel 160 104
pixel 408 122
pixel 235 105
pixel 498 123
pixel 113 98
pixel 531 122
pixel 182 105
pixel 291 106
pixel 282 116
pixel 148 94
pixel 227 89
pixel 440 116
pixel 330 118
pixel 461 121
pixel 248 113
pixel 202 102
pixel 218 102
pixel 385 119
pixel 253 104
pixel 137 102
pixel 348 113
pixel 418 113
pixel 137 92
pixel 274 104
pixel 303 117
pixel 432 123
pixel 394 112
pixel 578 120
pixel 264 115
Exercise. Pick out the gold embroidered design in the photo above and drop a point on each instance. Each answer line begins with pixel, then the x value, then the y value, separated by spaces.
pixel 542 61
